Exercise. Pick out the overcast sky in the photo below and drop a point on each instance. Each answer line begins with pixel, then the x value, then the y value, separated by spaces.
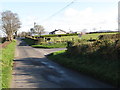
pixel 82 14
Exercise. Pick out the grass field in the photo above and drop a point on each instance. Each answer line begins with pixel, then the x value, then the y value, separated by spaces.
pixel 7 63
pixel 94 36
pixel 71 38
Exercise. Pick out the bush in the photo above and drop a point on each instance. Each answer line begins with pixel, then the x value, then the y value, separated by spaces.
pixel 2 39
pixel 105 49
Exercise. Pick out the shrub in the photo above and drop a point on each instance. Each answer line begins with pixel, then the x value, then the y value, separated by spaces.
pixel 2 39
pixel 105 49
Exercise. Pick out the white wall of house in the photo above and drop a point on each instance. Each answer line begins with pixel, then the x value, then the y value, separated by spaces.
pixel 78 32
pixel 59 32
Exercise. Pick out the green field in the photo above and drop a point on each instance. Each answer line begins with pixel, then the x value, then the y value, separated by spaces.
pixel 85 36
pixel 7 63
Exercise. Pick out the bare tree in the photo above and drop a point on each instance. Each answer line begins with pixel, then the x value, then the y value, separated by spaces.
pixel 39 29
pixel 10 24
pixel 32 31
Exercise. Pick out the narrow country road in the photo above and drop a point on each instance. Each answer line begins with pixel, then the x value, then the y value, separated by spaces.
pixel 33 70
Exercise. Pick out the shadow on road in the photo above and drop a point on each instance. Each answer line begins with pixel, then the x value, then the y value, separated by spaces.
pixel 38 72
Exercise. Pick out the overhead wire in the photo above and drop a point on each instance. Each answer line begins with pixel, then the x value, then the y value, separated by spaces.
pixel 59 11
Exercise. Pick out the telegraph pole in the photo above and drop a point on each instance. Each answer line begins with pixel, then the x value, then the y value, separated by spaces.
pixel 119 16
pixel 34 24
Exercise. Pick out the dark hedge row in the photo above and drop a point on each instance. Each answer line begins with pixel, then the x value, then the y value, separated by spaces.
pixel 2 39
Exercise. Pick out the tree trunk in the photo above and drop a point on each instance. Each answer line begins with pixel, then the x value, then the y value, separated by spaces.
pixel 10 38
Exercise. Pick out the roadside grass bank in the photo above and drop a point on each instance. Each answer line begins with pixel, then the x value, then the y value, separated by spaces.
pixel 7 63
pixel 100 60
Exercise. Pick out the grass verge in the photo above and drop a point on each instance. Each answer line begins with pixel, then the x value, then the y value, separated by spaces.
pixel 104 70
pixel 7 63
pixel 54 45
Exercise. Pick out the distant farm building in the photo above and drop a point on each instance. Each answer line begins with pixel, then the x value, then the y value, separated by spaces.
pixel 59 31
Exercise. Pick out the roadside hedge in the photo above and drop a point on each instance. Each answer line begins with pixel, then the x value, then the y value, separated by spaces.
pixel 100 59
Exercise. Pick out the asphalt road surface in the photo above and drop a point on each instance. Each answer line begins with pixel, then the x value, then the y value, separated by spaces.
pixel 33 70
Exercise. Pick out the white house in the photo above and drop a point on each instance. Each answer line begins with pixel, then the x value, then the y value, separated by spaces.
pixel 59 31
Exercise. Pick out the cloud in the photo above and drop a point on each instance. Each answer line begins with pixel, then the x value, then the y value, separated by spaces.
pixel 28 23
pixel 77 20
